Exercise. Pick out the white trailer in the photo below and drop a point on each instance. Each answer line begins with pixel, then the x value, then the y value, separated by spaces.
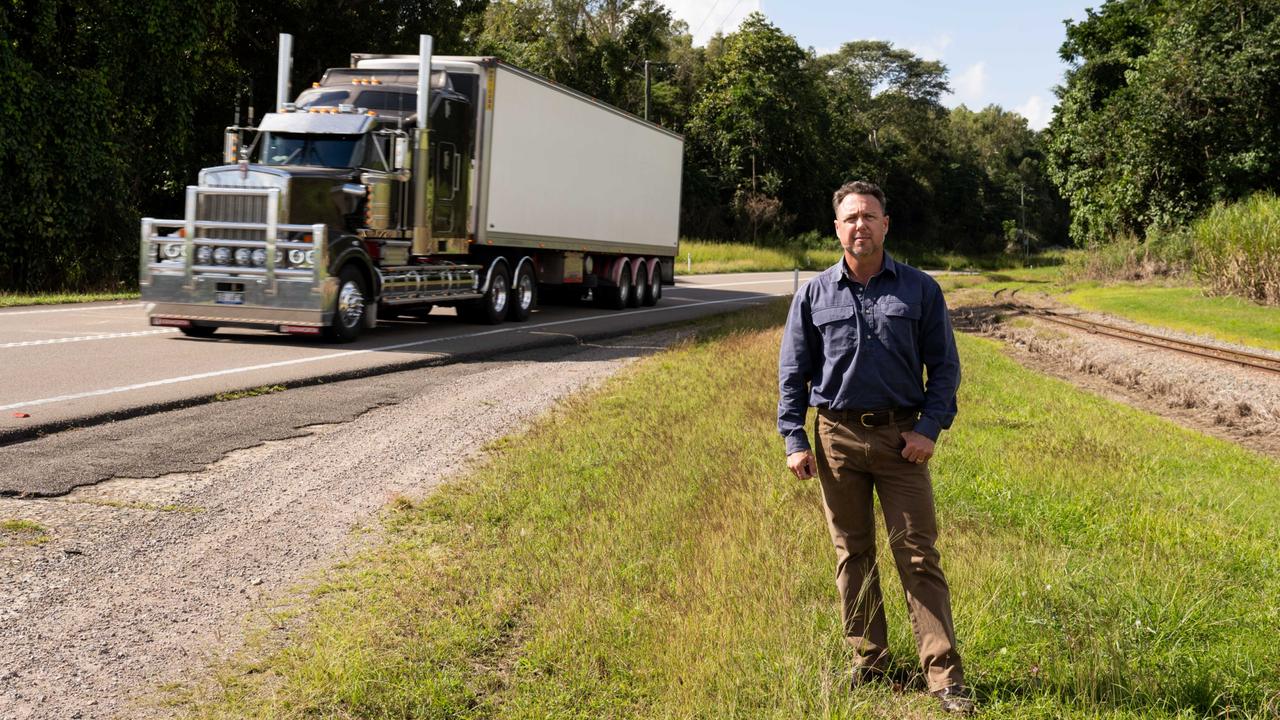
pixel 386 188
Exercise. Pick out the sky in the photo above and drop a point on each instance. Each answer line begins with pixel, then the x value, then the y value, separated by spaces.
pixel 996 51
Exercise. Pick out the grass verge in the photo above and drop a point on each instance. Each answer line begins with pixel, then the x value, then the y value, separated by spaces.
pixel 1229 318
pixel 642 553
pixel 700 257
pixel 14 299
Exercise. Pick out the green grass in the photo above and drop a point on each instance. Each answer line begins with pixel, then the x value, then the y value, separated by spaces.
pixel 643 552
pixel 713 257
pixel 1186 308
pixel 23 532
pixel 700 257
pixel 15 299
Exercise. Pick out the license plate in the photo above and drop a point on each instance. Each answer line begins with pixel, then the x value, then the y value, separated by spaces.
pixel 230 298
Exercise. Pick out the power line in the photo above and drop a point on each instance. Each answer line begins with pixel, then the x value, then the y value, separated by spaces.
pixel 707 17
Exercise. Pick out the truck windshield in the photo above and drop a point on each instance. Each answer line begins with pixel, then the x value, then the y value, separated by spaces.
pixel 337 151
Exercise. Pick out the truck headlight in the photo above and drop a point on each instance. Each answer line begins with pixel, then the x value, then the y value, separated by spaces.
pixel 244 256
pixel 259 257
pixel 171 251
pixel 222 256
pixel 311 257
pixel 297 257
pixel 204 255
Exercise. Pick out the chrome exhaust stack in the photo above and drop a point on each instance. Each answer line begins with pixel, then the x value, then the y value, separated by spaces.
pixel 283 67
pixel 424 194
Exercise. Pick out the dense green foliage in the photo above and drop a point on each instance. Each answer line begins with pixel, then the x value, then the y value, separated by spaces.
pixel 1171 106
pixel 111 108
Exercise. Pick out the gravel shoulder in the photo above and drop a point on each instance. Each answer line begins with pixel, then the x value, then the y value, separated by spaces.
pixel 141 573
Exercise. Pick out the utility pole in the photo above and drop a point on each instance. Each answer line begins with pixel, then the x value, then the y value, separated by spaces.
pixel 1022 209
pixel 648 85
pixel 647 63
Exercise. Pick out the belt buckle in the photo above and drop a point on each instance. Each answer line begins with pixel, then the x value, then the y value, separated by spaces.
pixel 863 419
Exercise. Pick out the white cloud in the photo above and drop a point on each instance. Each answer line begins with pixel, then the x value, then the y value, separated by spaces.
pixel 932 49
pixel 1036 111
pixel 969 86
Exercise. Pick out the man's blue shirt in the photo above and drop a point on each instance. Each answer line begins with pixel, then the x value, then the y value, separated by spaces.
pixel 847 347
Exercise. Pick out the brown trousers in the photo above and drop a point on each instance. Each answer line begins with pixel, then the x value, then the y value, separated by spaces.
pixel 852 462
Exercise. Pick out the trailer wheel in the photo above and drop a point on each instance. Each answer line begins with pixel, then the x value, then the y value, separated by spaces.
pixel 348 313
pixel 198 331
pixel 635 291
pixel 524 294
pixel 617 298
pixel 653 293
pixel 492 308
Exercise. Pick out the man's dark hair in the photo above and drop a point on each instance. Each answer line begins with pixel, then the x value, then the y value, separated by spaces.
pixel 858 187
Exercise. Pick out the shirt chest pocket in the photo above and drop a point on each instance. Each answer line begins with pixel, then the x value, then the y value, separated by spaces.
pixel 898 324
pixel 838 327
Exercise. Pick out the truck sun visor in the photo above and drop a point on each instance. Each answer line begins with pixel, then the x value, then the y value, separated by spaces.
pixel 315 123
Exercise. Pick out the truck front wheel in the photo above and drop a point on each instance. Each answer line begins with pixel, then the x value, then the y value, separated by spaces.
pixel 348 313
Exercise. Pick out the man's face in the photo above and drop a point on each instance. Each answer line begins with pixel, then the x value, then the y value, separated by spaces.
pixel 861 225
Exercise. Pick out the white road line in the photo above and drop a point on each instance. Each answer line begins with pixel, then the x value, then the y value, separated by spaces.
pixel 107 336
pixel 352 353
pixel 4 314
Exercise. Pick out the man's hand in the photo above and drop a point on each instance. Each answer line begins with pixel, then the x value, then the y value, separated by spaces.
pixel 919 448
pixel 802 464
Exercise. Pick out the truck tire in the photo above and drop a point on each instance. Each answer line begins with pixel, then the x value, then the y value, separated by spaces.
pixel 619 297
pixel 492 308
pixel 349 311
pixel 524 294
pixel 653 291
pixel 634 292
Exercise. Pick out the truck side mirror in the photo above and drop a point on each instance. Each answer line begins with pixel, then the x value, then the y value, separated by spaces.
pixel 231 146
pixel 400 152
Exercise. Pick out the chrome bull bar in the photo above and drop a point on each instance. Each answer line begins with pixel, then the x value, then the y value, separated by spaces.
pixel 272 229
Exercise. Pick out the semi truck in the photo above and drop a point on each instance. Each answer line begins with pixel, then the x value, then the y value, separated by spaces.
pixel 407 182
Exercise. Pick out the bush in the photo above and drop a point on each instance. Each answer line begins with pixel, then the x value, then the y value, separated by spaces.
pixel 1166 253
pixel 1237 249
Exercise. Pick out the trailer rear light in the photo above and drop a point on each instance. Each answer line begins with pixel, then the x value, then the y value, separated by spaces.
pixel 300 329
pixel 171 322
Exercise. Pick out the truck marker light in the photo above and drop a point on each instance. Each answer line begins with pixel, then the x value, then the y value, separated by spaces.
pixel 300 329
pixel 172 322
pixel 315 84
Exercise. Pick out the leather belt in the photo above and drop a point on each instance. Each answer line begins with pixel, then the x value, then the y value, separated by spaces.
pixel 872 418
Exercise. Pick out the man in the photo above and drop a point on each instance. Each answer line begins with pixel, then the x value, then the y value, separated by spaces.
pixel 857 342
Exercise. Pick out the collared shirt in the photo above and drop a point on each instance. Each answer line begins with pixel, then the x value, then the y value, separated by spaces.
pixel 849 347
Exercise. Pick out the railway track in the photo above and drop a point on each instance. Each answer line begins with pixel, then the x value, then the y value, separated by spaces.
pixel 1238 357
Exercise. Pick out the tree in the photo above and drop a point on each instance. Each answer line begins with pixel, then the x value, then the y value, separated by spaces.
pixel 752 137
pixel 1168 107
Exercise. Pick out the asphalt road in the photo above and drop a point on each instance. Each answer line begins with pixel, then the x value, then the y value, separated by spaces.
pixel 78 365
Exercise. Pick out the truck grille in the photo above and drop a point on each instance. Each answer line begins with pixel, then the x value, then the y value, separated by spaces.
pixel 232 208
